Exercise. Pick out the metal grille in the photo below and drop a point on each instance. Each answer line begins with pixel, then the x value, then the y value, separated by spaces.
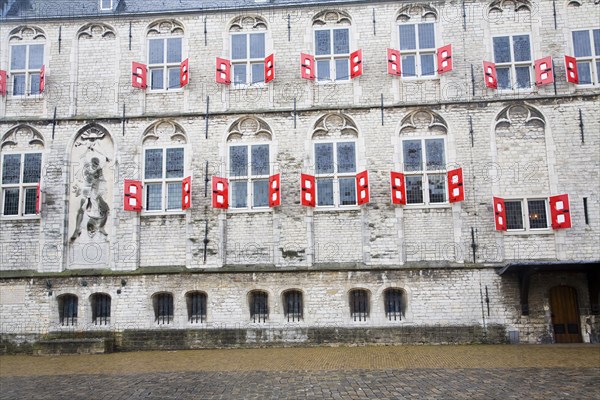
pixel 393 304
pixel 259 307
pixel 196 303
pixel 537 214
pixel 293 305
pixel 359 305
pixel 101 309
pixel 163 308
pixel 67 309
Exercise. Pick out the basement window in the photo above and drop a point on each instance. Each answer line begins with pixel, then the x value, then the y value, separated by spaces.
pixel 163 308
pixel 196 307
pixel 67 309
pixel 259 306
pixel 359 305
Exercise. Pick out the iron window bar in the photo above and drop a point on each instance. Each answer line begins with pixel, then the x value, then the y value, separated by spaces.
pixel 259 308
pixel 101 309
pixel 197 308
pixel 293 306
pixel 360 305
pixel 68 310
pixel 393 304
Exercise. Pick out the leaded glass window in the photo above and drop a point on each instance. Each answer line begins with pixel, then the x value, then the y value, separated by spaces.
pixel 425 170
pixel 21 173
pixel 332 54
pixel 586 49
pixel 163 176
pixel 512 55
pixel 335 166
pixel 417 47
pixel 249 168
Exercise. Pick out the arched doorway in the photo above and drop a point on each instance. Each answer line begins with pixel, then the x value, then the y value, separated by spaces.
pixel 565 314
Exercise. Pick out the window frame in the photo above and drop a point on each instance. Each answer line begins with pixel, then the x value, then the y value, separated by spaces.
pixel 163 180
pixel 332 56
pixel 525 215
pixel 248 178
pixel 359 316
pixel 393 316
pixel 201 316
pixel 159 318
pixel 257 317
pixel 248 61
pixel 101 320
pixel 417 52
pixel 106 8
pixel 21 186
pixel 26 71
pixel 336 176
pixel 293 316
pixel 594 59
pixel 71 319
pixel 512 65
pixel 164 65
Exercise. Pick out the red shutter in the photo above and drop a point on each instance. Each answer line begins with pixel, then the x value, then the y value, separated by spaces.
pixel 269 68
pixel 444 59
pixel 186 193
pixel 220 188
pixel 356 65
pixel 42 79
pixel 489 73
pixel 559 211
pixel 38 199
pixel 307 63
pixel 138 75
pixel 223 71
pixel 544 74
pixel 184 72
pixel 572 73
pixel 362 188
pixel 456 190
pixel 499 214
pixel 2 83
pixel 398 188
pixel 275 190
pixel 132 196
pixel 393 62
pixel 307 184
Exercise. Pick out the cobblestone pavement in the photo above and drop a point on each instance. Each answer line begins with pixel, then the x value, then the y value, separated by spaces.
pixel 399 372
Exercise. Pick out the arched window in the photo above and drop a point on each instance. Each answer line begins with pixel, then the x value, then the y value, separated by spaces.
pixel 259 306
pixel 196 307
pixel 163 308
pixel 292 305
pixel 67 309
pixel 394 304
pixel 100 308
pixel 359 304
pixel 417 24
pixel 165 53
pixel 249 42
pixel 26 59
pixel 332 45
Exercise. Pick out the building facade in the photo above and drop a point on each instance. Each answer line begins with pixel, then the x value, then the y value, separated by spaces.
pixel 115 109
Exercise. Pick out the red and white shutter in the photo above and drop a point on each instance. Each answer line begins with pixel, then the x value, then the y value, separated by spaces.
pixel 362 187
pixel 398 188
pixel 444 59
pixel 184 72
pixel 132 198
pixel 42 79
pixel 559 211
pixel 138 75
pixel 356 64
pixel 275 190
pixel 499 214
pixel 571 67
pixel 307 185
pixel 38 198
pixel 456 190
pixel 3 84
pixel 544 73
pixel 223 71
pixel 489 74
pixel 186 193
pixel 393 62
pixel 307 63
pixel 220 189
pixel 269 68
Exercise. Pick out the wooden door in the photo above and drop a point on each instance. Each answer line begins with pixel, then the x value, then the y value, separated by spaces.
pixel 565 314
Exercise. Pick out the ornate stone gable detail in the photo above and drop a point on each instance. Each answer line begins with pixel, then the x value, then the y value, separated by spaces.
pixel 335 125
pixel 22 137
pixel 248 22
pixel 26 33
pixel 96 29
pixel 423 120
pixel 332 17
pixel 424 11
pixel 249 128
pixel 164 131
pixel 520 121
pixel 518 5
pixel 165 26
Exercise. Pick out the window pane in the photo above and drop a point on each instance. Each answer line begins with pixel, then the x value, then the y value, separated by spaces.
pixel 502 49
pixel 408 66
pixel 537 214
pixel 239 74
pixel 18 85
pixel 323 73
pixel 324 158
pixel 174 81
pixel 174 196
pixel 584 69
pixel 36 56
pixel 514 215
pixel 260 159
pixel 238 47
pixel 156 53
pixel 437 188
pixel 34 84
pixel 238 160
pixel 11 202
pixel 521 48
pixel 346 157
pixel 156 78
pixel 153 197
pixel 322 43
pixel 503 75
pixel 325 192
pixel 581 44
pixel 261 193
pixel 174 50
pixel 257 45
pixel 106 4
pixel 412 155
pixel 342 69
pixel 435 154
pixel 341 41
pixel 414 189
pixel 427 65
pixel 426 36
pixel 30 200
pixel 408 40
pixel 11 169
pixel 258 72
pixel 153 164
pixel 597 41
pixel 239 194
pixel 175 163
pixel 347 191
pixel 32 168
pixel 17 57
pixel 523 77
